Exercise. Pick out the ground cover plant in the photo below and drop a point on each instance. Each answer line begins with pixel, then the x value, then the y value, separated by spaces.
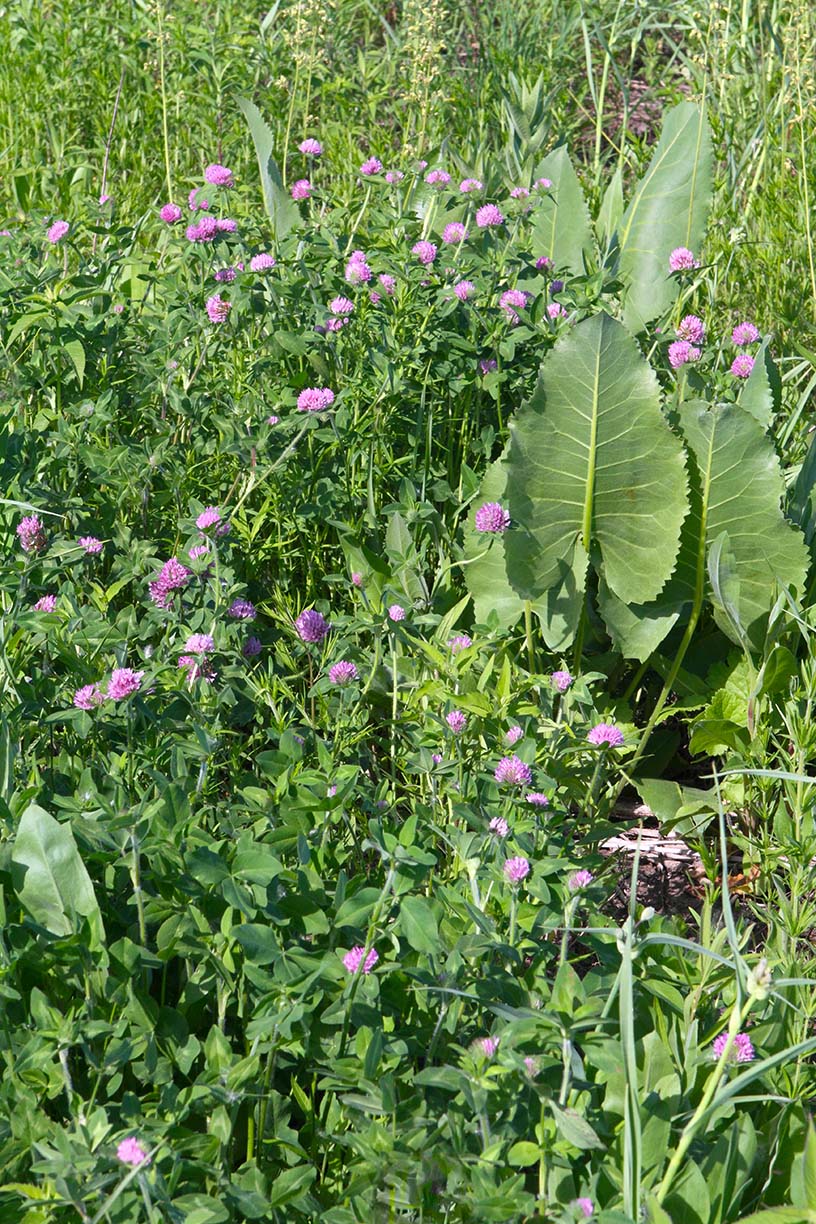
pixel 400 471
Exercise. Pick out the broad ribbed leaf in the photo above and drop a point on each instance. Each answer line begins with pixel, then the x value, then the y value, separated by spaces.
pixel 742 490
pixel 282 210
pixel 558 610
pixel 736 488
pixel 561 226
pixel 49 876
pixel 668 210
pixel 592 460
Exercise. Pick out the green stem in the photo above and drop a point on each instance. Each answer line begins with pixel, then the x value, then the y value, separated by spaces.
pixel 163 89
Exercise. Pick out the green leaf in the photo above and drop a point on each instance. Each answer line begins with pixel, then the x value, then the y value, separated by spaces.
pixel 761 393
pixel 592 460
pixel 668 210
pixel 574 1128
pixel 290 1185
pixel 49 877
pixel 76 352
pixel 561 227
pixel 611 210
pixel 523 1154
pixel 741 487
pixel 282 210
pixel 418 924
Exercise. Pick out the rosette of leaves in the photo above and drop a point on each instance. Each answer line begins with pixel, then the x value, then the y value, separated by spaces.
pixel 595 477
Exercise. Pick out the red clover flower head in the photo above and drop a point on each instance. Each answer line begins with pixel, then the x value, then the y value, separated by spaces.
pixel 194 203
pixel 394 176
pixel 488 216
pixel 487 365
pixel 218 309
pixel 252 647
pixel 218 176
pixel 586 1207
pixel 56 232
pixel 341 305
pixel 226 225
pixel 170 213
pixel 460 642
pixel 357 270
pixel 561 680
pixel 199 643
pixel 744 333
pixel 172 576
pixel 202 231
pixel 464 289
pixel 261 263
pixel 512 771
pixel 242 609
pixel 499 826
pixel 454 232
pixel 424 251
pixel 516 869
pixel 342 672
pixel 513 736
pixel 510 299
pixel 682 260
pixel 312 626
pixel 742 365
pixel 225 275
pixel 357 578
pixel 692 329
pixel 88 697
pixel 681 352
pixel 741 1049
pixel 520 193
pixel 537 799
pixel 605 733
pixel 315 399
pixel 371 165
pixel 197 551
pixel 31 534
pixel 311 147
pixel 437 178
pixel 47 603
pixel 356 960
pixel 208 518
pixel 198 667
pixel 396 612
pixel 488 1046
pixel 556 311
pixel 457 721
pixel 542 184
pixel 301 190
pixel 131 1152
pixel 491 517
pixel 470 184
pixel 123 682
pixel 579 879
pixel 543 262
pixel 388 283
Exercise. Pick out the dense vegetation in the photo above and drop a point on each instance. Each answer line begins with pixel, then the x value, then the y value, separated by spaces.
pixel 405 441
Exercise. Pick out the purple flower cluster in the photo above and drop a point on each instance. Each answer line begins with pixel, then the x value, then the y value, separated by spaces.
pixel 454 232
pixel 218 176
pixel 516 870
pixel 357 270
pixel 681 352
pixel 315 399
pixel 682 260
pixel 742 365
pixel 31 534
pixel 242 609
pixel 491 517
pixel 356 960
pixel 457 721
pixel 437 178
pixel 56 232
pixel 261 263
pixel 744 334
pixel 123 682
pixel 692 329
pixel 464 289
pixel 371 166
pixel 460 642
pixel 170 213
pixel 470 184
pixel 311 147
pixel 312 626
pixel 396 612
pixel 606 733
pixel 561 680
pixel 342 673
pixel 424 251
pixel 172 577
pixel 488 216
pixel 301 190
pixel 511 301
pixel 512 771
pixel 741 1050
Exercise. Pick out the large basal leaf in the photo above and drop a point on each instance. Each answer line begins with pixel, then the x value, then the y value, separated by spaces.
pixel 282 210
pixel 561 227
pixel 557 610
pixel 48 874
pixel 668 210
pixel 592 460
pixel 742 488
pixel 735 489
